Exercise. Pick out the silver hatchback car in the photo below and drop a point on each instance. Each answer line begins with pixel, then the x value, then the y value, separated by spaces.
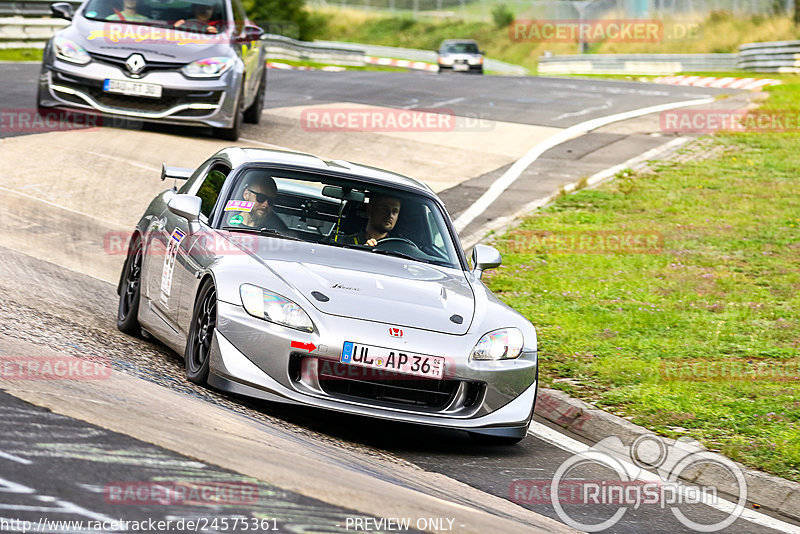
pixel 285 277
pixel 189 62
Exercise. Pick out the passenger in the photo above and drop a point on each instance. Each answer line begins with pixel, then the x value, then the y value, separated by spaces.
pixel 382 214
pixel 129 12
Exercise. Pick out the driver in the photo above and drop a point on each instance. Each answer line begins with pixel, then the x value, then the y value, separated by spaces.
pixel 382 214
pixel 202 19
pixel 261 190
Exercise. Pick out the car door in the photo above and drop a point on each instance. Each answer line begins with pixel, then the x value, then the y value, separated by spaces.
pixel 163 241
pixel 203 245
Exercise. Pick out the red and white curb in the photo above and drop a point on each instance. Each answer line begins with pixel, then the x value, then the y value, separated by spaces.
pixel 404 63
pixel 707 81
pixel 286 66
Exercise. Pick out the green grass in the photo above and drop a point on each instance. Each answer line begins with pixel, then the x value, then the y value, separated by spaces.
pixel 21 54
pixel 718 32
pixel 724 287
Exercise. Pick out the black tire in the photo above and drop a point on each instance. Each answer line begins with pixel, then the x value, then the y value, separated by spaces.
pixel 201 335
pixel 253 113
pixel 130 290
pixel 232 133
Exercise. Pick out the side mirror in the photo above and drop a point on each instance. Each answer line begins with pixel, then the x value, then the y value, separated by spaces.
pixel 186 206
pixel 251 33
pixel 485 257
pixel 62 10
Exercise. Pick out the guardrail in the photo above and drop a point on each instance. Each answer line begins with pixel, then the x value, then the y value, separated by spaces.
pixel 19 32
pixel 280 47
pixel 428 56
pixel 636 63
pixel 778 56
pixel 31 8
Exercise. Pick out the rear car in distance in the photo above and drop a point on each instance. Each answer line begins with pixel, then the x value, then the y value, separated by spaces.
pixel 186 62
pixel 257 270
pixel 460 55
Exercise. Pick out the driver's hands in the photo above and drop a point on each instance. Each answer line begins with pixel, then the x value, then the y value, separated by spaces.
pixel 371 242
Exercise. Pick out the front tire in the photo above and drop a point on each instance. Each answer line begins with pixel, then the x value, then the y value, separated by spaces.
pixel 253 113
pixel 130 290
pixel 201 335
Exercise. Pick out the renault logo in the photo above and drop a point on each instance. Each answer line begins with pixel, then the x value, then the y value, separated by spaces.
pixel 135 64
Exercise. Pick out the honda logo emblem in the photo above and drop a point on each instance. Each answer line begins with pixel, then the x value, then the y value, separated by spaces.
pixel 135 63
pixel 395 332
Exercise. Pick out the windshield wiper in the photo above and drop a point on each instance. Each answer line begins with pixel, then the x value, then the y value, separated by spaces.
pixel 267 232
pixel 397 254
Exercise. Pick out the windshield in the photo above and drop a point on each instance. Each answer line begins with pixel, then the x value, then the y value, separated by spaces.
pixel 198 16
pixel 338 212
pixel 460 48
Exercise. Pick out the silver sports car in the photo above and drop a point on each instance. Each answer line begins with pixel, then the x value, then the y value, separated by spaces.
pixel 282 276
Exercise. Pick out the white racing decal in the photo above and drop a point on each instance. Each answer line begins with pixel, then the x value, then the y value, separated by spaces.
pixel 169 264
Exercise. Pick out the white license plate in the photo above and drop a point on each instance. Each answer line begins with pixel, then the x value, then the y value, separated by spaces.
pixel 392 360
pixel 460 66
pixel 125 87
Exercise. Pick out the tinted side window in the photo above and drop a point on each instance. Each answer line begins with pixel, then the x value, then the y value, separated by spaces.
pixel 211 187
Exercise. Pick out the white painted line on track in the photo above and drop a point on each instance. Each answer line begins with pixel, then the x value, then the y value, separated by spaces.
pixel 448 102
pixel 500 222
pixel 515 171
pixel 554 437
pixel 124 160
pixel 14 458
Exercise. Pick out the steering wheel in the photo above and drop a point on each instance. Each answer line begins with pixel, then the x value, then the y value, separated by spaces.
pixel 397 240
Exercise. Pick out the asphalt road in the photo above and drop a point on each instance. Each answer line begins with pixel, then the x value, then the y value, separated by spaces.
pixel 77 311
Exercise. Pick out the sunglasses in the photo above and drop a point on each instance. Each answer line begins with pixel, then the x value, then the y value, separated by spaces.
pixel 262 197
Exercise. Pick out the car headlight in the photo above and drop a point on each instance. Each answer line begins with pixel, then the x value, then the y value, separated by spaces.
pixel 503 344
pixel 210 67
pixel 70 51
pixel 274 308
pixel 446 60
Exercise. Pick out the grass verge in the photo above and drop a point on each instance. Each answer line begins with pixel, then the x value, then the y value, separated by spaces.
pixel 21 54
pixel 719 31
pixel 642 334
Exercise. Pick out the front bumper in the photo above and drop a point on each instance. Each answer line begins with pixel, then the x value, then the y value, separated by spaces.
pixel 255 358
pixel 183 101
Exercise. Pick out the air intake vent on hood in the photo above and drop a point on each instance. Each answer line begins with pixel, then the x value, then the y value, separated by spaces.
pixel 320 296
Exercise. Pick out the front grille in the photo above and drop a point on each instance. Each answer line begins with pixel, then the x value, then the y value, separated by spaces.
pixel 392 389
pixel 169 97
pixel 150 66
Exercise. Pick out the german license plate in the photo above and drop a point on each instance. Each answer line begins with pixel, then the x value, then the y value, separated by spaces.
pixel 393 360
pixel 460 66
pixel 125 87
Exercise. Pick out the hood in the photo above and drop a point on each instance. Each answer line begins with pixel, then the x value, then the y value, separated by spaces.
pixel 374 287
pixel 118 39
